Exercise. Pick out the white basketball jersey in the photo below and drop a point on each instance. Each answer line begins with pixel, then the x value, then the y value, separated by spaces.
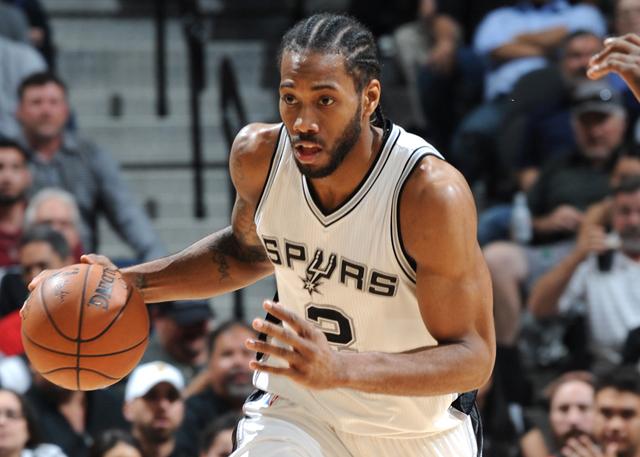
pixel 346 272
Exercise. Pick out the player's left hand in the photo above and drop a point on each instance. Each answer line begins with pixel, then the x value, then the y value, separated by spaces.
pixel 311 361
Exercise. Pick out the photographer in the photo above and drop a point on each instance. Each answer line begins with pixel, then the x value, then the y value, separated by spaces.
pixel 607 289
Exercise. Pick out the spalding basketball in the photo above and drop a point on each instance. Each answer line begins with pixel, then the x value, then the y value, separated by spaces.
pixel 84 327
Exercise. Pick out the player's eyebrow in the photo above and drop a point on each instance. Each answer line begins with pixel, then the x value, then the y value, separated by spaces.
pixel 318 86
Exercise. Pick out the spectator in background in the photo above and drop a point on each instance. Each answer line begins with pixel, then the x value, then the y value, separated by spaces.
pixel 617 418
pixel 180 332
pixel 229 382
pixel 19 435
pixel 19 60
pixel 217 438
pixel 570 400
pixel 41 248
pixel 115 443
pixel 609 294
pixel 155 408
pixel 563 191
pixel 443 78
pixel 514 41
pixel 80 167
pixel 538 125
pixel 40 34
pixel 71 419
pixel 13 24
pixel 15 179
pixel 58 209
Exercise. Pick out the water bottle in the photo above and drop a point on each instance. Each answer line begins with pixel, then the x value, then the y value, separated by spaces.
pixel 521 226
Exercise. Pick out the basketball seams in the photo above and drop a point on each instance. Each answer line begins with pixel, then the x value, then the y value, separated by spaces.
pixel 71 354
pixel 113 321
pixel 90 370
pixel 48 313
pixel 79 334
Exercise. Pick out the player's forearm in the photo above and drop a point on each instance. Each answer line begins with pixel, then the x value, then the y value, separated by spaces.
pixel 214 265
pixel 544 297
pixel 431 371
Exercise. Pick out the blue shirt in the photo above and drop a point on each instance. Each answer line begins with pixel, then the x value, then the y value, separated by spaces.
pixel 502 25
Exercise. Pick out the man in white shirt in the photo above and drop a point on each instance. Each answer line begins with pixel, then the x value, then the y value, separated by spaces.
pixel 610 296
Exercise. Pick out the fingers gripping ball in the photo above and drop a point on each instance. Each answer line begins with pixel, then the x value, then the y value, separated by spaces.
pixel 84 328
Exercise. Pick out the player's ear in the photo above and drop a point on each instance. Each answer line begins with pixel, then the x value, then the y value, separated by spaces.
pixel 370 98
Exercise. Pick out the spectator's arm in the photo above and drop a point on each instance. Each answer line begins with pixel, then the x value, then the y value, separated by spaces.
pixel 516 50
pixel 532 444
pixel 545 39
pixel 124 214
pixel 564 218
pixel 545 297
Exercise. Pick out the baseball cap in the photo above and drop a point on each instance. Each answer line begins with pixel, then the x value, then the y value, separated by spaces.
pixel 186 312
pixel 596 96
pixel 148 375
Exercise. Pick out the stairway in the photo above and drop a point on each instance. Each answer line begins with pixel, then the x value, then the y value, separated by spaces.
pixel 108 63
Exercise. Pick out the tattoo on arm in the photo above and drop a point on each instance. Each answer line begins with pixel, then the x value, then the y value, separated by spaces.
pixel 228 245
pixel 140 281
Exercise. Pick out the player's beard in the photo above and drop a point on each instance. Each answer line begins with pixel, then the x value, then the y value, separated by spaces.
pixel 343 145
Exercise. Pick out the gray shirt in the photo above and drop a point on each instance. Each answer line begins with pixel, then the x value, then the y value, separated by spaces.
pixel 93 177
pixel 17 61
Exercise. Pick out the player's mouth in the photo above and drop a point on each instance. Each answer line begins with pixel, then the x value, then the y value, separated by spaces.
pixel 306 151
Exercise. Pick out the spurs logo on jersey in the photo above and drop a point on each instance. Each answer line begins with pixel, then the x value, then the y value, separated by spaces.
pixel 350 273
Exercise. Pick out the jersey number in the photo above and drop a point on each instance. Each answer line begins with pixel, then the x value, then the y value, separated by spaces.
pixel 337 326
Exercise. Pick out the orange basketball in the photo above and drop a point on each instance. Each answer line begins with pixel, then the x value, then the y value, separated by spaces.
pixel 84 328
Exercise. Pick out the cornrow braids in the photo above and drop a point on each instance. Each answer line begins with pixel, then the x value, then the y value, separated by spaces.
pixel 338 34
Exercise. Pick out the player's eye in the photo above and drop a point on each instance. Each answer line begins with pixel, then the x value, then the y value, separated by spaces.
pixel 326 101
pixel 288 99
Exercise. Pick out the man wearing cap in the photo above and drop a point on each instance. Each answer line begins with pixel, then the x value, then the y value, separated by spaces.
pixel 155 408
pixel 180 336
pixel 565 187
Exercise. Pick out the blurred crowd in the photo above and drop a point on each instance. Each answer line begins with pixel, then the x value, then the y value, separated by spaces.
pixel 499 87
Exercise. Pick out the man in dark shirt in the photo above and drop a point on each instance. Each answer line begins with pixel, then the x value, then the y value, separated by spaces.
pixel 71 419
pixel 230 382
pixel 564 189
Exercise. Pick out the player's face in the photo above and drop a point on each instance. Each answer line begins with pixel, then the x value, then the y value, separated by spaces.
pixel 618 420
pixel 229 363
pixel 222 446
pixel 14 433
pixel 43 111
pixel 599 134
pixel 577 53
pixel 627 17
pixel 572 410
pixel 59 215
pixel 321 110
pixel 15 177
pixel 158 414
pixel 626 221
pixel 38 256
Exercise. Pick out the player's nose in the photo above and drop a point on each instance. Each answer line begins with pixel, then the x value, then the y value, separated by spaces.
pixel 306 122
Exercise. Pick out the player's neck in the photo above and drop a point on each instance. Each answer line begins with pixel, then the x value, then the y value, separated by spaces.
pixel 337 187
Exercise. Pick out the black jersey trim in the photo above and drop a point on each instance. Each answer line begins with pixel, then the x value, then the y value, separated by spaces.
pixel 268 182
pixel 391 137
pixel 405 261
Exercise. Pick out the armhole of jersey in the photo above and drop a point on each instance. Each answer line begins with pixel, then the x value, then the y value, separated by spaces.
pixel 406 262
pixel 273 167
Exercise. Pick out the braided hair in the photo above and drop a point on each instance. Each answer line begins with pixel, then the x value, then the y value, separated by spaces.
pixel 327 33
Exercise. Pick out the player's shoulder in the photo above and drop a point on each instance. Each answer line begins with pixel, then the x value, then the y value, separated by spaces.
pixel 434 184
pixel 251 155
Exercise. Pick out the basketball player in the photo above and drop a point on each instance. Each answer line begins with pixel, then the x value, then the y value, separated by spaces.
pixel 620 55
pixel 385 300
